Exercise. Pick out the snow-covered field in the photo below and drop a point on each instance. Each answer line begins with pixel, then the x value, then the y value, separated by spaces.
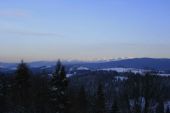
pixel 69 75
pixel 121 78
pixel 121 70
pixel 133 70
pixel 82 68
pixel 165 75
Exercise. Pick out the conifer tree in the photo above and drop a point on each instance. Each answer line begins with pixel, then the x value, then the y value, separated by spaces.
pixel 115 108
pixel 167 109
pixel 3 91
pixel 82 101
pixel 22 85
pixel 40 97
pixel 148 91
pixel 160 107
pixel 58 96
pixel 100 100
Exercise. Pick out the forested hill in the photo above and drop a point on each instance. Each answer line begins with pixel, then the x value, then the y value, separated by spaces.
pixel 137 63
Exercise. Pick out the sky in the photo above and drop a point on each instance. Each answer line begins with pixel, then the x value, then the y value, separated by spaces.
pixel 84 29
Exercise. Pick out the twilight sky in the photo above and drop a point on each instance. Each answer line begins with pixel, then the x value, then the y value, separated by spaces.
pixel 83 29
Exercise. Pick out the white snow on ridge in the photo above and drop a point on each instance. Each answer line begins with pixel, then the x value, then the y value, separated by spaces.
pixel 120 70
pixel 69 75
pixel 121 78
pixel 46 67
pixel 114 69
pixel 83 68
pixel 133 70
pixel 165 75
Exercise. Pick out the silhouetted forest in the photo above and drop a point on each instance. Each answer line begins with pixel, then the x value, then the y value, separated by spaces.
pixel 85 92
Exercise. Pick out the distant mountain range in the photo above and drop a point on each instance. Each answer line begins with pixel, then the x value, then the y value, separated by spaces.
pixel 138 63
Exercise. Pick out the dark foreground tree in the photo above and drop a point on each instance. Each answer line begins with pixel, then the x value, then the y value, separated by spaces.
pixel 100 100
pixel 40 96
pixel 21 87
pixel 148 90
pixel 3 91
pixel 115 108
pixel 82 101
pixel 160 107
pixel 58 88
pixel 167 110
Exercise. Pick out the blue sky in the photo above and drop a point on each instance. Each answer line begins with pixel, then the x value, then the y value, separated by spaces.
pixel 83 29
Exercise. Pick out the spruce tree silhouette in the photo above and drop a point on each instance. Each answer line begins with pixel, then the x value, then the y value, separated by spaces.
pixel 21 86
pixel 58 96
pixel 82 101
pixel 115 108
pixel 100 100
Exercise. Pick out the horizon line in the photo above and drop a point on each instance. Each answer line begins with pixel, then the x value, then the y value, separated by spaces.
pixel 77 60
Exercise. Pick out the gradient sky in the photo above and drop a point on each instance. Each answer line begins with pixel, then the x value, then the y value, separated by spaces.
pixel 83 29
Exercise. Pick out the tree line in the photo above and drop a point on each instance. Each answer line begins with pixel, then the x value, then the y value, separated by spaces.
pixel 25 92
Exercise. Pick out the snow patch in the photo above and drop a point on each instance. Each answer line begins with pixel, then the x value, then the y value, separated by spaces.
pixel 82 68
pixel 121 70
pixel 165 75
pixel 46 67
pixel 69 75
pixel 121 78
